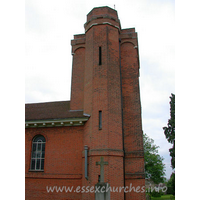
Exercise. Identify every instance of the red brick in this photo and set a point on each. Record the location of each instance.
(111, 88)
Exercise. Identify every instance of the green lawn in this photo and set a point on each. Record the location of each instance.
(164, 197)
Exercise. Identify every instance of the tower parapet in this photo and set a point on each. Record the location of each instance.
(102, 15)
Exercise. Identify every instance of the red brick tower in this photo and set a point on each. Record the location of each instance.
(65, 140)
(105, 85)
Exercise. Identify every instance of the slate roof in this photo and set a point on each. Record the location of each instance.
(50, 110)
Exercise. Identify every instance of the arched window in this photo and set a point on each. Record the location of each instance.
(38, 152)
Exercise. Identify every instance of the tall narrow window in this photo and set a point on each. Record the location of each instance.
(100, 56)
(37, 154)
(100, 120)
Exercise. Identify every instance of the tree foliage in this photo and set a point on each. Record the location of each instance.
(171, 184)
(169, 131)
(154, 167)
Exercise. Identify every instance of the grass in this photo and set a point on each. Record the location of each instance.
(164, 197)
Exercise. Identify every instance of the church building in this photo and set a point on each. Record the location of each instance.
(73, 148)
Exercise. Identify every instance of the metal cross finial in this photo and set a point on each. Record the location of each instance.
(101, 163)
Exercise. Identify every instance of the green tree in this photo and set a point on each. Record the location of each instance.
(169, 131)
(171, 184)
(154, 167)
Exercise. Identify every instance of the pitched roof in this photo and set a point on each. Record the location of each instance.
(50, 110)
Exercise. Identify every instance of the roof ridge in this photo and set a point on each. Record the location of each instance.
(47, 102)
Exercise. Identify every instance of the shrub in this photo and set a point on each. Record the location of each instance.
(156, 194)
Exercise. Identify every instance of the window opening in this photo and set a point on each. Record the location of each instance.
(100, 56)
(100, 120)
(38, 153)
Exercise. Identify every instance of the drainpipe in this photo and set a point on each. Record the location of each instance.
(86, 164)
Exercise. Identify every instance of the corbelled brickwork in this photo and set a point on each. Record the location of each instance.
(105, 79)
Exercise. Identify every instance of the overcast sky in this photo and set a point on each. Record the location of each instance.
(50, 26)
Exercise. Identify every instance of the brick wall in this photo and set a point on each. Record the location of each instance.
(78, 70)
(63, 162)
(133, 138)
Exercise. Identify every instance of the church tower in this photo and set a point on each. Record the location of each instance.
(105, 85)
(96, 138)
